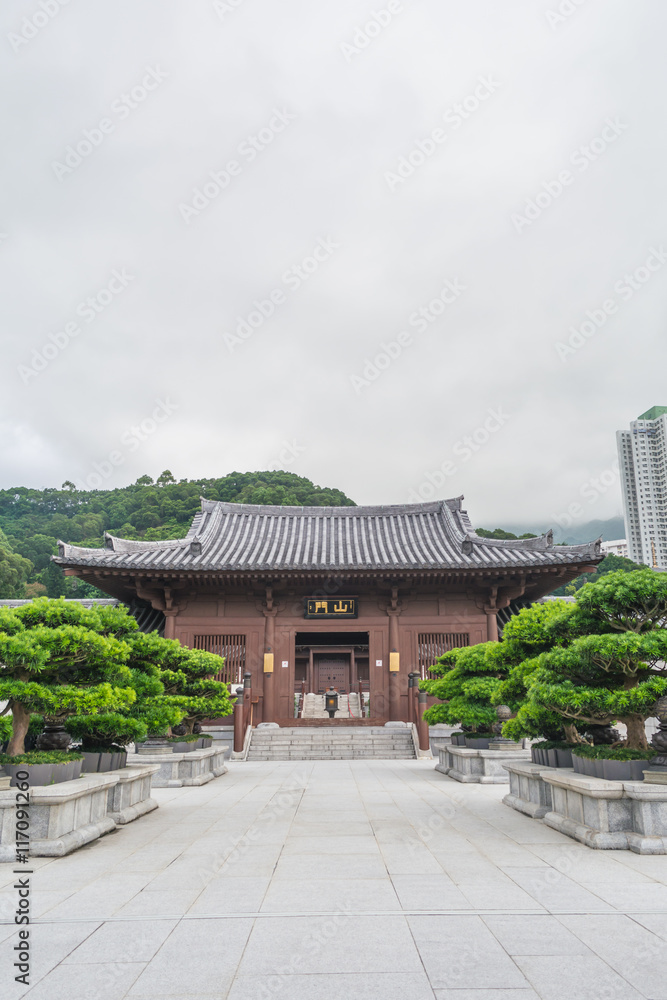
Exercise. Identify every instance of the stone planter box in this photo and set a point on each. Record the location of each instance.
(100, 763)
(131, 797)
(475, 743)
(205, 742)
(45, 774)
(551, 758)
(583, 765)
(610, 770)
(485, 767)
(623, 770)
(528, 793)
(195, 767)
(63, 817)
(183, 747)
(608, 815)
(67, 815)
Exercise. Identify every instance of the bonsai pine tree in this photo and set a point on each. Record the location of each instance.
(189, 682)
(60, 659)
(525, 636)
(149, 713)
(469, 679)
(607, 657)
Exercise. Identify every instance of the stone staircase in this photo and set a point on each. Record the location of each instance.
(348, 707)
(332, 743)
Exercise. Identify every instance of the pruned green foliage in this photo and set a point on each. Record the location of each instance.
(467, 686)
(604, 659)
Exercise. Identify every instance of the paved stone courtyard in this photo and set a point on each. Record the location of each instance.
(341, 880)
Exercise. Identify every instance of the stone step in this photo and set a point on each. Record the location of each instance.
(304, 743)
(334, 756)
(302, 731)
(332, 743)
(329, 738)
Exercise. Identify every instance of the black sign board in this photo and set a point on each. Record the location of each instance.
(331, 607)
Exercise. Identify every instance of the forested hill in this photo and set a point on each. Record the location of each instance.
(33, 520)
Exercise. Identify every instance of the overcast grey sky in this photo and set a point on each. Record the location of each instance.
(361, 174)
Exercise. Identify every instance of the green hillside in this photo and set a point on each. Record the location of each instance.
(32, 521)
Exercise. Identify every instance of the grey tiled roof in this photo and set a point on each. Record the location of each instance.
(229, 537)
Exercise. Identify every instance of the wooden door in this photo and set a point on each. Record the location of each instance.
(333, 671)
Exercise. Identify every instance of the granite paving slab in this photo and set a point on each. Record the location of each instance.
(345, 880)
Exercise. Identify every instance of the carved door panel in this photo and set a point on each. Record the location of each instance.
(333, 671)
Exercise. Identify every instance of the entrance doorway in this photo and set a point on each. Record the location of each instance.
(332, 671)
(339, 659)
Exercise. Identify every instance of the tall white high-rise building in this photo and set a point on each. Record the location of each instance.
(642, 453)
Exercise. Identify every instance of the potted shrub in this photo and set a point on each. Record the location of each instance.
(43, 767)
(584, 760)
(624, 764)
(102, 758)
(552, 753)
(179, 745)
(104, 738)
(184, 744)
(479, 741)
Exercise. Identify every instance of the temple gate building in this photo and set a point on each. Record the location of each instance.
(310, 597)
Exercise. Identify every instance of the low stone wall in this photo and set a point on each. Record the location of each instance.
(485, 767)
(223, 738)
(440, 736)
(529, 793)
(608, 815)
(131, 797)
(63, 817)
(177, 769)
(66, 816)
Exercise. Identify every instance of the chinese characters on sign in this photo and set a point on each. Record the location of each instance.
(331, 607)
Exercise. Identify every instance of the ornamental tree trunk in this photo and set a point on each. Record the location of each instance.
(20, 723)
(636, 732)
(571, 734)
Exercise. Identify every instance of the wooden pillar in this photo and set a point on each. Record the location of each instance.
(170, 624)
(422, 724)
(311, 672)
(270, 612)
(393, 611)
(247, 700)
(491, 610)
(239, 728)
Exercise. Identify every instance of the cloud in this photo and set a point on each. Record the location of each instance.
(222, 74)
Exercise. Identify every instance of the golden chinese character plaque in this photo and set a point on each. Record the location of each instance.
(331, 607)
